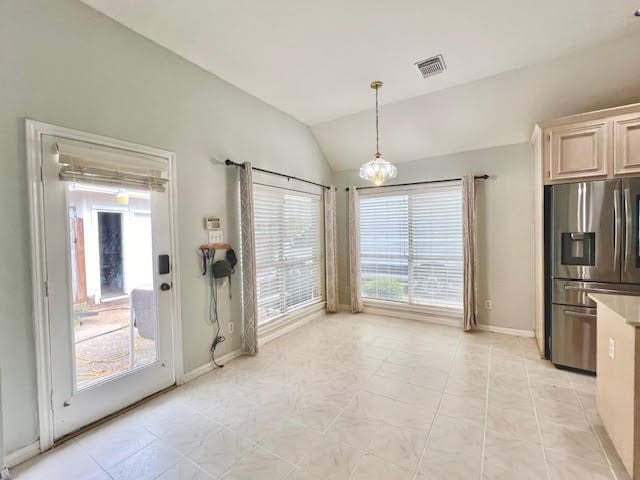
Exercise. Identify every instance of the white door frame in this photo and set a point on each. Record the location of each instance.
(41, 324)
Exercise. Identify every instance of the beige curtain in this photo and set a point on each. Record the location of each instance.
(330, 249)
(249, 293)
(469, 251)
(354, 250)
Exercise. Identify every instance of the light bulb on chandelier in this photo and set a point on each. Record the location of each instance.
(377, 170)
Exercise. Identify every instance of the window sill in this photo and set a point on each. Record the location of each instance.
(289, 321)
(448, 316)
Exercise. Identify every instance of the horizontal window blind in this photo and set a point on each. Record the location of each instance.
(288, 232)
(411, 246)
(111, 167)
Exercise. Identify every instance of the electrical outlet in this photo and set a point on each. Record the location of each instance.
(488, 304)
(612, 348)
(230, 327)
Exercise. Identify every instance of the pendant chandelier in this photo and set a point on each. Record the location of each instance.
(377, 170)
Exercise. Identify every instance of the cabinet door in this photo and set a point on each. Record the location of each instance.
(626, 157)
(579, 150)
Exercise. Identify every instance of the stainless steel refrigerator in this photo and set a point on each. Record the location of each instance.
(594, 248)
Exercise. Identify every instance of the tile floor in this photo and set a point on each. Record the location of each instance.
(358, 397)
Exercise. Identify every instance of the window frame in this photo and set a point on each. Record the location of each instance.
(304, 191)
(409, 306)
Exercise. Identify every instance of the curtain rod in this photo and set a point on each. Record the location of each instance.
(288, 177)
(477, 177)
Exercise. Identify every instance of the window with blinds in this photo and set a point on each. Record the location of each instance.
(411, 246)
(289, 265)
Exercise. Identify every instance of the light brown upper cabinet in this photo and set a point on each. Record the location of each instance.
(626, 155)
(589, 146)
(578, 150)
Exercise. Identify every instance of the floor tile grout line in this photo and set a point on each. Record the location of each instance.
(328, 427)
(254, 446)
(486, 412)
(178, 462)
(435, 416)
(199, 468)
(593, 431)
(100, 466)
(535, 413)
(324, 432)
(156, 439)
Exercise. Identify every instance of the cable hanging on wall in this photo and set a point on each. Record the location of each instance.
(215, 270)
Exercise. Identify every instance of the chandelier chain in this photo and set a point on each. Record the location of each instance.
(377, 125)
(377, 170)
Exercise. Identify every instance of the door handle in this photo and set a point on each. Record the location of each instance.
(165, 286)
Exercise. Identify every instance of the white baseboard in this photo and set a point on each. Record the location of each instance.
(207, 367)
(506, 330)
(21, 455)
(449, 321)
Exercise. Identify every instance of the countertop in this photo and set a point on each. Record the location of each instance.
(627, 306)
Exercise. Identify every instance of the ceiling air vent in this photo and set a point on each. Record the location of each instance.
(431, 66)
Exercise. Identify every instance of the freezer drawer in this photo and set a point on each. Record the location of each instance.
(573, 331)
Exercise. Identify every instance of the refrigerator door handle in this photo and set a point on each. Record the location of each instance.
(628, 223)
(600, 290)
(618, 225)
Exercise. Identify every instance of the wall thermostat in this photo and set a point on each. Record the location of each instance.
(212, 223)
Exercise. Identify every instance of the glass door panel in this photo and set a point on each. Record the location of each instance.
(115, 317)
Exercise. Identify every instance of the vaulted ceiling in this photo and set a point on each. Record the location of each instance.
(315, 60)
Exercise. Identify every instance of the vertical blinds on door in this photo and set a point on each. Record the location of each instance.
(411, 246)
(288, 232)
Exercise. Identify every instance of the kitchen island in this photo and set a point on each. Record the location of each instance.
(618, 369)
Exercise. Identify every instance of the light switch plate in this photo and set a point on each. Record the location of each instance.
(215, 236)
